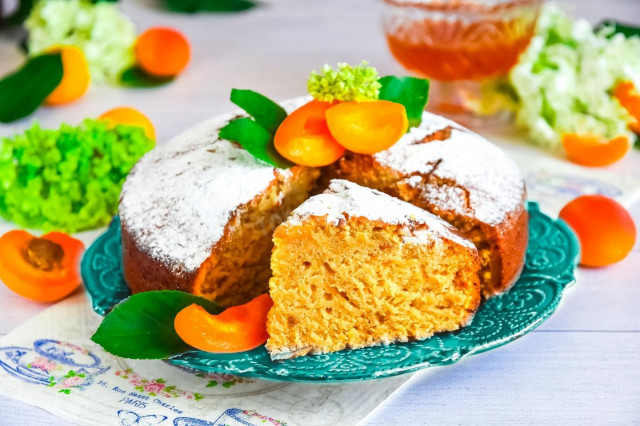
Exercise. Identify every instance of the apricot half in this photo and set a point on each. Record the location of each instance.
(237, 329)
(367, 127)
(593, 151)
(44, 269)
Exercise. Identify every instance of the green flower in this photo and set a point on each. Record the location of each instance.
(100, 30)
(67, 179)
(347, 83)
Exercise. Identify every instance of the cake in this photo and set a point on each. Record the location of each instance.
(354, 267)
(198, 213)
(462, 178)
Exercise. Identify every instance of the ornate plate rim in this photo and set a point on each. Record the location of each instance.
(277, 371)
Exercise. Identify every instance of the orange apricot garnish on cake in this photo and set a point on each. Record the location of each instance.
(304, 137)
(44, 269)
(162, 51)
(593, 151)
(629, 97)
(367, 127)
(130, 117)
(237, 329)
(75, 76)
(605, 229)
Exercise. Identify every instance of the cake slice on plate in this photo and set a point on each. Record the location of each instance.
(354, 267)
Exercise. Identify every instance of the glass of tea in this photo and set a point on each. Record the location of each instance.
(459, 43)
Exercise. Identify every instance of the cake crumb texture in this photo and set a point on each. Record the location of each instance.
(359, 281)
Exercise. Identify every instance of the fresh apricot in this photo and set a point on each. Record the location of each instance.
(237, 329)
(367, 127)
(131, 117)
(629, 97)
(605, 229)
(162, 51)
(593, 151)
(75, 76)
(44, 269)
(304, 138)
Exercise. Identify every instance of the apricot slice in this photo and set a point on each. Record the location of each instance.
(44, 269)
(367, 127)
(131, 117)
(304, 138)
(605, 229)
(237, 329)
(593, 151)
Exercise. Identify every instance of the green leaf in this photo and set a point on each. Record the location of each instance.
(23, 92)
(411, 92)
(266, 112)
(141, 326)
(619, 28)
(136, 77)
(193, 6)
(255, 139)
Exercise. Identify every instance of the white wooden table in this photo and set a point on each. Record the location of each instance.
(581, 367)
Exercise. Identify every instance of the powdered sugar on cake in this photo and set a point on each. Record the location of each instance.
(493, 185)
(179, 197)
(345, 199)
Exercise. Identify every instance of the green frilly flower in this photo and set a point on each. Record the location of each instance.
(67, 179)
(347, 83)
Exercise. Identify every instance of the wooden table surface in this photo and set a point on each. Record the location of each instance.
(580, 367)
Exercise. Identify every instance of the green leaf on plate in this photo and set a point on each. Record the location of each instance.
(23, 92)
(141, 326)
(193, 6)
(136, 77)
(411, 92)
(619, 28)
(255, 139)
(266, 112)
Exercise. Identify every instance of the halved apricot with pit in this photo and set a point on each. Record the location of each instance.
(44, 269)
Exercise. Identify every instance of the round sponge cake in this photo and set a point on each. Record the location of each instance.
(198, 213)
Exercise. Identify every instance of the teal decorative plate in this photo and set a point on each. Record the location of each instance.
(550, 262)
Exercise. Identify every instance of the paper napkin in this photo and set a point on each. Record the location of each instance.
(51, 362)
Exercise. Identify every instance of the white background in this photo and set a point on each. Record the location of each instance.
(581, 367)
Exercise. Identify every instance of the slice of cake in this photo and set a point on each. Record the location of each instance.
(354, 267)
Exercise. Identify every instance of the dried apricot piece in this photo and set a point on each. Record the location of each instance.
(605, 229)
